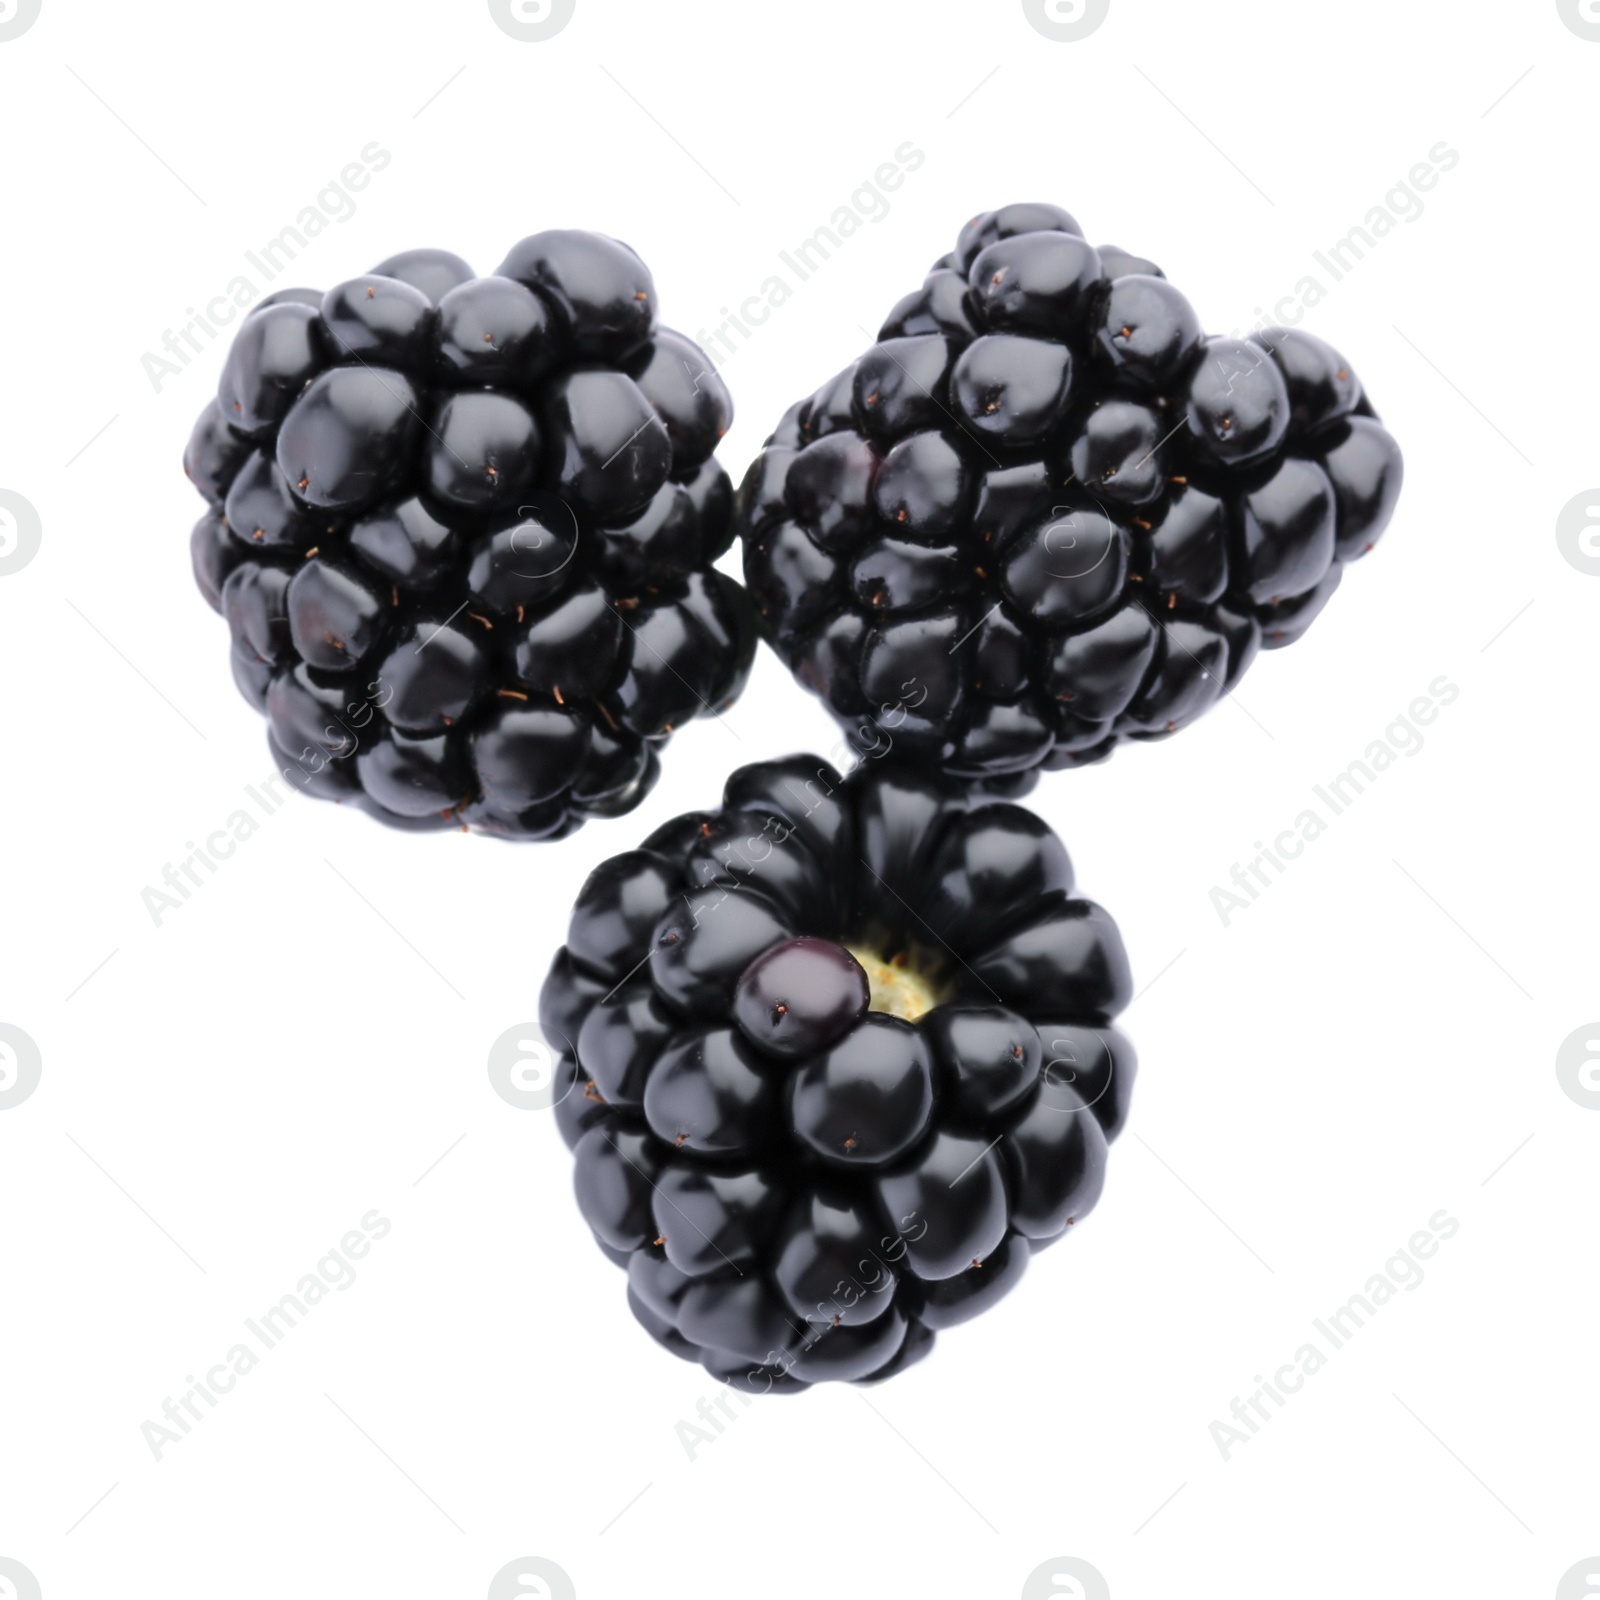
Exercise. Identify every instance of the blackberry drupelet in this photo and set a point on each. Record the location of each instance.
(462, 529)
(1045, 513)
(835, 1060)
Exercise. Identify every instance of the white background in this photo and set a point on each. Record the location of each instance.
(1373, 1041)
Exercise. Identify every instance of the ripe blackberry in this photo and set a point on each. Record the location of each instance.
(1045, 513)
(462, 529)
(835, 1059)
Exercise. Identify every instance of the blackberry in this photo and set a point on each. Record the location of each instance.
(462, 531)
(835, 1059)
(1045, 513)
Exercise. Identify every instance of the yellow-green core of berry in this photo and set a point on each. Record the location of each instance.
(897, 986)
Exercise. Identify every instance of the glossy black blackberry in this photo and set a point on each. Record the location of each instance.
(462, 529)
(835, 1060)
(1045, 513)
